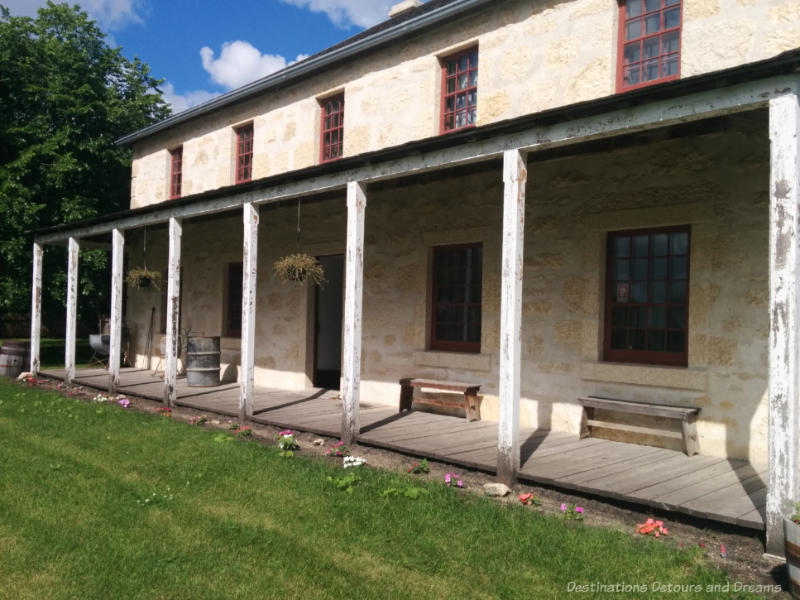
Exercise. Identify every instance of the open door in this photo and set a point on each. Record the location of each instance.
(328, 327)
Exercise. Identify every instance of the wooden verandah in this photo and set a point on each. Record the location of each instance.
(721, 490)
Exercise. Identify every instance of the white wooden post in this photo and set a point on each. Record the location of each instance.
(115, 346)
(784, 277)
(72, 310)
(249, 285)
(353, 291)
(36, 309)
(173, 312)
(515, 174)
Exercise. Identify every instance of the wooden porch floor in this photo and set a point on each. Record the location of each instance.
(728, 491)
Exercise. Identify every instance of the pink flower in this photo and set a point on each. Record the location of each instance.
(579, 509)
(563, 507)
(460, 483)
(447, 478)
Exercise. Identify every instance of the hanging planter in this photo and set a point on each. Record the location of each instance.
(300, 268)
(143, 278)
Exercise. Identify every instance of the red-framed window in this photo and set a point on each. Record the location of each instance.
(244, 153)
(332, 128)
(456, 298)
(647, 296)
(233, 318)
(459, 90)
(649, 42)
(176, 172)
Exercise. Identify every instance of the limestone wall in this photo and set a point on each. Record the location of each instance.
(716, 183)
(534, 55)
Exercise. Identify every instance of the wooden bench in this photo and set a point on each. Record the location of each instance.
(469, 402)
(685, 414)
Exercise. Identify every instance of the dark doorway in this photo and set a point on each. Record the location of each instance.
(328, 326)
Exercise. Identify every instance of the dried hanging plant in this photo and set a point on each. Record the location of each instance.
(142, 277)
(300, 267)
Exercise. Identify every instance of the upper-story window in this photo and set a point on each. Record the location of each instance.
(650, 42)
(332, 129)
(459, 90)
(244, 153)
(175, 172)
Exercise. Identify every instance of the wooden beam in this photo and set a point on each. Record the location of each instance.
(173, 312)
(353, 292)
(72, 310)
(249, 287)
(515, 177)
(651, 115)
(784, 314)
(115, 346)
(36, 309)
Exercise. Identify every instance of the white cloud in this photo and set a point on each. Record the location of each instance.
(240, 63)
(109, 14)
(345, 13)
(181, 102)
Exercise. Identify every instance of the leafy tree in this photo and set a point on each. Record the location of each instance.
(65, 97)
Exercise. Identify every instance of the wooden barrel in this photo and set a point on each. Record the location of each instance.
(791, 532)
(13, 358)
(202, 361)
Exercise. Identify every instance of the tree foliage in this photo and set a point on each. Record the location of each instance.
(65, 97)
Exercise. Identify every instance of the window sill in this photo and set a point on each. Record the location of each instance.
(679, 378)
(453, 360)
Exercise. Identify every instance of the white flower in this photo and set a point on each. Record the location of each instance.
(353, 461)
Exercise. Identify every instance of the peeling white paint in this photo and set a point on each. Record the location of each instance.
(249, 286)
(173, 312)
(36, 309)
(72, 310)
(353, 292)
(515, 176)
(784, 260)
(115, 347)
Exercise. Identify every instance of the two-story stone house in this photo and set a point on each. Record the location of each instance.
(554, 198)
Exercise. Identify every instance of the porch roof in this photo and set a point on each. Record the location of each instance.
(695, 98)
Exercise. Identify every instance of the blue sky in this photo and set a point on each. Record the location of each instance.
(202, 48)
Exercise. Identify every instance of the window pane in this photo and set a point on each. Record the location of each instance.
(679, 243)
(639, 292)
(451, 85)
(640, 269)
(451, 67)
(659, 268)
(638, 317)
(652, 5)
(461, 100)
(655, 341)
(651, 46)
(473, 59)
(633, 29)
(678, 267)
(619, 339)
(462, 81)
(623, 291)
(619, 316)
(669, 65)
(462, 63)
(471, 116)
(658, 292)
(672, 18)
(641, 245)
(650, 71)
(621, 272)
(634, 8)
(677, 291)
(677, 318)
(676, 341)
(631, 75)
(669, 42)
(652, 23)
(637, 339)
(660, 244)
(621, 245)
(450, 104)
(658, 317)
(632, 52)
(472, 98)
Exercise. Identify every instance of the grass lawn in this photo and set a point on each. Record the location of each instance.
(233, 519)
(51, 352)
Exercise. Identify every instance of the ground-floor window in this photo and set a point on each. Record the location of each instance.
(647, 296)
(233, 303)
(456, 298)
